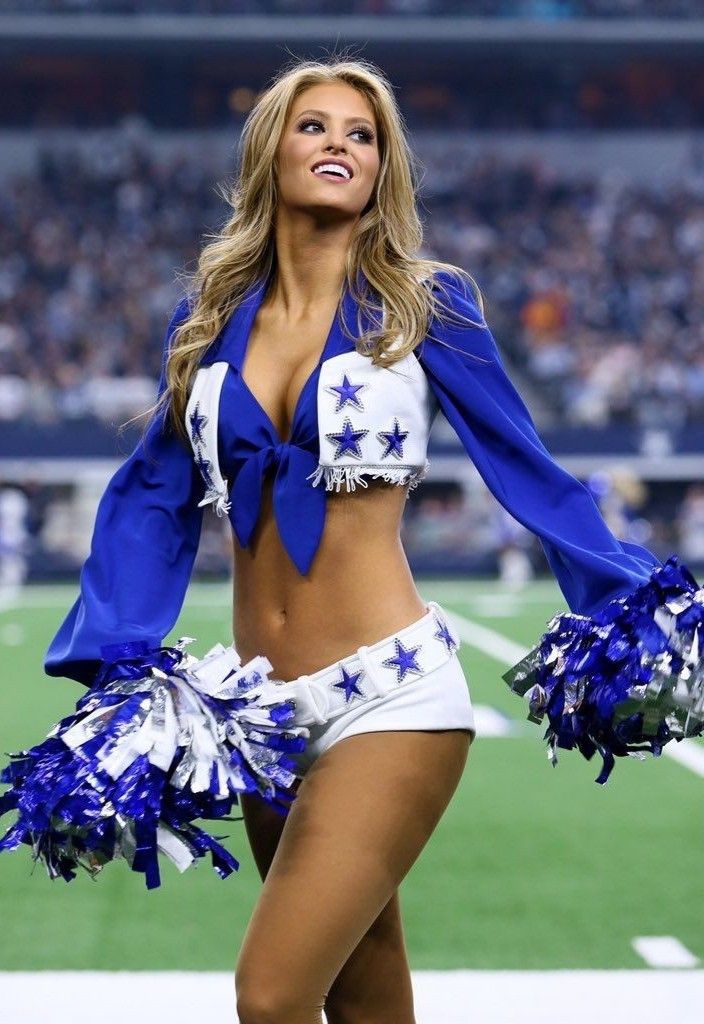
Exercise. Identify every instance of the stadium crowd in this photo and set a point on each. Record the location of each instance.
(549, 9)
(200, 94)
(593, 288)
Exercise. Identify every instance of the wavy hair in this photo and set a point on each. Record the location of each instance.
(384, 245)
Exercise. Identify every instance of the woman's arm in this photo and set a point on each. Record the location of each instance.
(144, 544)
(490, 418)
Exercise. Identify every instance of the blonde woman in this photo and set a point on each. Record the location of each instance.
(301, 377)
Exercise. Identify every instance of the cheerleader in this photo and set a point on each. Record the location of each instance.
(301, 376)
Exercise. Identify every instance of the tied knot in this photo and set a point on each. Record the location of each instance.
(299, 510)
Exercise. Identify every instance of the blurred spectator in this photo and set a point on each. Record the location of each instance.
(690, 523)
(594, 286)
(14, 541)
(513, 545)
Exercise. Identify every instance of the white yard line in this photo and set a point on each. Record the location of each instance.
(490, 722)
(441, 997)
(687, 753)
(486, 639)
(664, 951)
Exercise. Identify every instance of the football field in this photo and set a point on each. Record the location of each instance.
(532, 868)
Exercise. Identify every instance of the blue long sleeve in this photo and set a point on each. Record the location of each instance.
(144, 544)
(491, 420)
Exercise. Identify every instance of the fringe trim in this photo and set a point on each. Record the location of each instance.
(335, 476)
(219, 500)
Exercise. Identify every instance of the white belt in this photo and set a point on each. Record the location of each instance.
(373, 671)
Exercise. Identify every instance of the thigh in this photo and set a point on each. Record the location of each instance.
(376, 974)
(363, 813)
(374, 983)
(264, 826)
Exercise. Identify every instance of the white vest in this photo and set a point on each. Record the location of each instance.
(386, 418)
(373, 421)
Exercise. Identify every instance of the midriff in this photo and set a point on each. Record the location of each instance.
(359, 588)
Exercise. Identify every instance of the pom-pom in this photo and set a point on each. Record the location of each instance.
(159, 740)
(626, 680)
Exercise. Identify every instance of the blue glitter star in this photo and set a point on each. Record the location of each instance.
(205, 465)
(347, 440)
(444, 634)
(393, 440)
(348, 683)
(346, 392)
(198, 421)
(404, 661)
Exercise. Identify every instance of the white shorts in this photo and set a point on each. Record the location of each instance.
(385, 686)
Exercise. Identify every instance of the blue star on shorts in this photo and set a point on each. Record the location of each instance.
(348, 683)
(444, 634)
(347, 440)
(346, 392)
(393, 440)
(404, 661)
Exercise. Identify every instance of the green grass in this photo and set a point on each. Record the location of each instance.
(531, 866)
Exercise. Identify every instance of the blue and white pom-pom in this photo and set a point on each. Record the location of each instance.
(626, 680)
(159, 740)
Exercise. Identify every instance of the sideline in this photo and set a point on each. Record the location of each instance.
(442, 997)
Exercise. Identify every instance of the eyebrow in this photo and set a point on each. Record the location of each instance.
(322, 113)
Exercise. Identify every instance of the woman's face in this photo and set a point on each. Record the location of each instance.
(335, 125)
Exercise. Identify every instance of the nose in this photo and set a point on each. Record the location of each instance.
(336, 145)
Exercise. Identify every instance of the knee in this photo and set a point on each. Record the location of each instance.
(264, 1001)
(256, 1012)
(257, 1002)
(260, 1007)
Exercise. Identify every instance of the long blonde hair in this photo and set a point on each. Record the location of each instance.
(384, 245)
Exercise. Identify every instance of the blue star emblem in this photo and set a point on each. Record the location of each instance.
(404, 661)
(347, 440)
(346, 392)
(444, 634)
(393, 440)
(205, 465)
(348, 683)
(198, 421)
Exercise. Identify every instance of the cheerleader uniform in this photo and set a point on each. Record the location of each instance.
(353, 421)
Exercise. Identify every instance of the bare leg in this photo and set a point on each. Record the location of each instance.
(375, 979)
(362, 815)
(374, 983)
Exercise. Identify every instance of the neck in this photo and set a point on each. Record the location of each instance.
(310, 265)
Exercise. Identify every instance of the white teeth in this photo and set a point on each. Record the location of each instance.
(335, 168)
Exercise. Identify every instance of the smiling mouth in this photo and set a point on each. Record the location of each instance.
(332, 176)
(333, 170)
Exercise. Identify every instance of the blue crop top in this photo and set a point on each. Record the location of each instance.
(351, 421)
